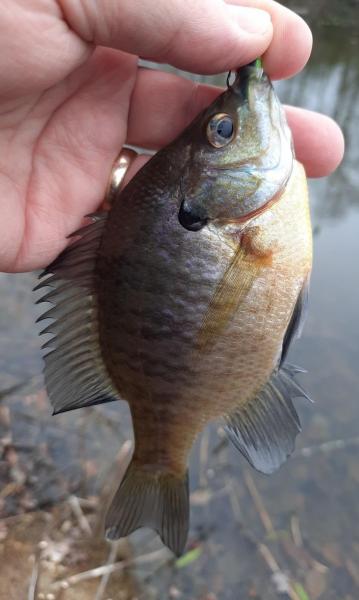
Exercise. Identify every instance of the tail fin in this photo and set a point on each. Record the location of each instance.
(151, 498)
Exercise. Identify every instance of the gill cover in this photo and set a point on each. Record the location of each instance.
(242, 154)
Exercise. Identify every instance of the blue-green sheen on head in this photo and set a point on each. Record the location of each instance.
(241, 155)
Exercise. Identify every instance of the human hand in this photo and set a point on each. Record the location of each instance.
(71, 95)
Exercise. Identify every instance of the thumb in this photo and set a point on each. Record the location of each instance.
(206, 36)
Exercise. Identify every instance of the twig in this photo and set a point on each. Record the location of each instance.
(299, 546)
(124, 452)
(89, 503)
(78, 512)
(325, 447)
(11, 488)
(202, 497)
(353, 570)
(203, 458)
(10, 390)
(232, 488)
(106, 576)
(281, 581)
(32, 591)
(268, 558)
(111, 568)
(296, 533)
(258, 503)
(111, 484)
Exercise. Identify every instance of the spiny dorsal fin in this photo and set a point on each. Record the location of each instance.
(264, 429)
(75, 374)
(149, 498)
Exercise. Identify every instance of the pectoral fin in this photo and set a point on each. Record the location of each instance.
(234, 286)
(264, 429)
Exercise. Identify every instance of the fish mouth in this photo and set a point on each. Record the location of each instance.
(189, 219)
(246, 76)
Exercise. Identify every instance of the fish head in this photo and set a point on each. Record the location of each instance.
(240, 154)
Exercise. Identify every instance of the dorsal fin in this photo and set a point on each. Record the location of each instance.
(75, 374)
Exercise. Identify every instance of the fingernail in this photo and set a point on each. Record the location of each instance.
(251, 20)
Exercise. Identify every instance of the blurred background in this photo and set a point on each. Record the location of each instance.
(293, 535)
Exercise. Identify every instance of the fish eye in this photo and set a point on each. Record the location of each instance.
(220, 130)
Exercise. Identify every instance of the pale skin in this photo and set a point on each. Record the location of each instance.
(71, 95)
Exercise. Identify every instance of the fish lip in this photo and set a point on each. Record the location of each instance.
(246, 75)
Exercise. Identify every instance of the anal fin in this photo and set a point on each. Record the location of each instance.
(75, 373)
(264, 429)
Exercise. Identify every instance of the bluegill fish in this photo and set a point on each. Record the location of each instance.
(183, 300)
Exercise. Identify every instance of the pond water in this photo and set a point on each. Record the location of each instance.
(292, 535)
